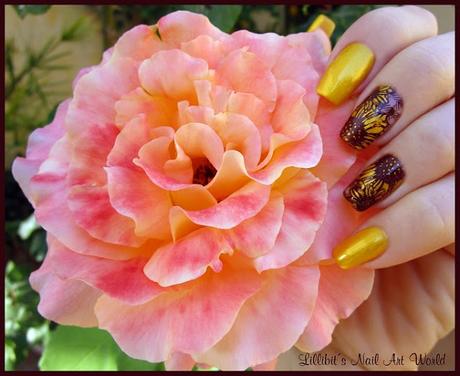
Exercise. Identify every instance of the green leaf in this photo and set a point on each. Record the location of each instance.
(24, 10)
(225, 16)
(88, 349)
(10, 355)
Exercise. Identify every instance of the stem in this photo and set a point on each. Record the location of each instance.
(49, 47)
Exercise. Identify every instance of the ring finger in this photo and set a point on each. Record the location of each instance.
(421, 154)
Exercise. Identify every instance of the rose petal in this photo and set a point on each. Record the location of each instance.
(183, 26)
(239, 206)
(89, 151)
(257, 235)
(304, 208)
(188, 258)
(206, 48)
(41, 140)
(303, 154)
(159, 110)
(244, 72)
(290, 117)
(96, 93)
(199, 140)
(138, 43)
(340, 293)
(179, 362)
(238, 132)
(92, 210)
(67, 302)
(156, 78)
(189, 320)
(133, 195)
(154, 157)
(269, 322)
(123, 280)
(268, 46)
(50, 192)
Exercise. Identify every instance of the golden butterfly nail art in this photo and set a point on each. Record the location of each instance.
(373, 117)
(375, 183)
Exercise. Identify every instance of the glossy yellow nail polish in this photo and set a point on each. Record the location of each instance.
(350, 67)
(361, 247)
(323, 22)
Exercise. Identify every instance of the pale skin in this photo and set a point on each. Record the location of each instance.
(411, 305)
(409, 55)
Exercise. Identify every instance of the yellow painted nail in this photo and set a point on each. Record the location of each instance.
(361, 247)
(323, 22)
(346, 72)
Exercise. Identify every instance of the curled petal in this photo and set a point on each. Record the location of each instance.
(188, 320)
(340, 293)
(138, 43)
(199, 140)
(242, 204)
(41, 140)
(67, 302)
(317, 44)
(179, 362)
(133, 195)
(90, 149)
(153, 159)
(92, 210)
(244, 72)
(269, 323)
(156, 78)
(304, 208)
(183, 26)
(257, 235)
(230, 177)
(290, 116)
(123, 280)
(194, 197)
(268, 46)
(23, 170)
(188, 258)
(159, 110)
(96, 93)
(206, 48)
(131, 138)
(239, 133)
(303, 154)
(50, 192)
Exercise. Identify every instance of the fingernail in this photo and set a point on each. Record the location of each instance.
(323, 22)
(361, 247)
(375, 183)
(373, 117)
(346, 72)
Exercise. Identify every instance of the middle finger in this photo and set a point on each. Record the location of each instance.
(417, 79)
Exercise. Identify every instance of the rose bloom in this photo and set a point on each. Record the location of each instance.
(181, 191)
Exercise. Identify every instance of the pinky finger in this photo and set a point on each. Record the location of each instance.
(419, 223)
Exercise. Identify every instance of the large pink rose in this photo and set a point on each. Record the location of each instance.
(181, 192)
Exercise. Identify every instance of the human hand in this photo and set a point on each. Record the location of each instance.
(406, 213)
(402, 74)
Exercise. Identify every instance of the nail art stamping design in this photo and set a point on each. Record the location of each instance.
(373, 117)
(375, 183)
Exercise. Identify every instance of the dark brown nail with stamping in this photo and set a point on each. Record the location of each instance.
(375, 183)
(373, 117)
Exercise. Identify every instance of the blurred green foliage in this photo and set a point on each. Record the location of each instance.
(29, 337)
(70, 348)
